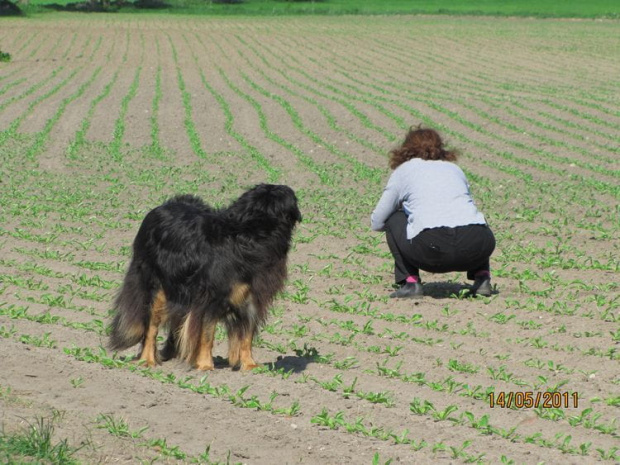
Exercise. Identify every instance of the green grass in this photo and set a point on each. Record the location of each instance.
(35, 444)
(540, 8)
(305, 111)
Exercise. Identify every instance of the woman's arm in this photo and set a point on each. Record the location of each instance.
(388, 204)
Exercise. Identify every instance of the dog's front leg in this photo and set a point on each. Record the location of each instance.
(204, 358)
(245, 350)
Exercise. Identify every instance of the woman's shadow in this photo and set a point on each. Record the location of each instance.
(450, 290)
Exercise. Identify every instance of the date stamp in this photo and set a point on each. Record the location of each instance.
(530, 399)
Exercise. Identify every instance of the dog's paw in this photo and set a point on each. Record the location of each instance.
(144, 362)
(249, 366)
(205, 367)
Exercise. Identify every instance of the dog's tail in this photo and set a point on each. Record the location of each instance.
(188, 339)
(132, 306)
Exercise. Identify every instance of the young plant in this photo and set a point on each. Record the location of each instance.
(118, 427)
(36, 444)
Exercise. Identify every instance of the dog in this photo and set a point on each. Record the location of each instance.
(194, 266)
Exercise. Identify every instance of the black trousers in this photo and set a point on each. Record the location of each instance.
(438, 250)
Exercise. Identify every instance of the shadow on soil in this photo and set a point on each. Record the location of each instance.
(448, 290)
(288, 363)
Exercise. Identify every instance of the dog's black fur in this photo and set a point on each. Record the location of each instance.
(194, 265)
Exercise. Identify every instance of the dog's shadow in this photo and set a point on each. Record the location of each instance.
(450, 290)
(287, 364)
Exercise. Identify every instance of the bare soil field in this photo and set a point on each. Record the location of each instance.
(102, 117)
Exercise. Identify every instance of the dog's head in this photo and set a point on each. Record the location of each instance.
(268, 201)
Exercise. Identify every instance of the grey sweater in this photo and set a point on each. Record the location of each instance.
(432, 194)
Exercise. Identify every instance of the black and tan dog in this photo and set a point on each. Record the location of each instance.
(193, 266)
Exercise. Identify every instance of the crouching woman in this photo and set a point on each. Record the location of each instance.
(429, 217)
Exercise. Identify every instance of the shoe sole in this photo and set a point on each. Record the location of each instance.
(408, 291)
(484, 290)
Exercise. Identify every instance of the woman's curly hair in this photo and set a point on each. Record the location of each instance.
(421, 143)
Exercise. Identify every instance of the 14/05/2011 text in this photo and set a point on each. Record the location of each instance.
(529, 399)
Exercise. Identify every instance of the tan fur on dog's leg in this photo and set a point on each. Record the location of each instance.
(157, 317)
(245, 347)
(204, 358)
(187, 344)
(245, 352)
(239, 297)
(234, 345)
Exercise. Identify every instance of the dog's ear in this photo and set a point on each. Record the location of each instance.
(285, 204)
(267, 201)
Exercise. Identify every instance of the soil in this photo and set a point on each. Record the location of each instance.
(531, 105)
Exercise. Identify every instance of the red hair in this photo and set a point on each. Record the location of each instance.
(421, 143)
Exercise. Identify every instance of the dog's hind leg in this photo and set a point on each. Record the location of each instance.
(245, 350)
(246, 336)
(169, 351)
(234, 346)
(158, 316)
(240, 347)
(238, 299)
(204, 356)
(170, 348)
